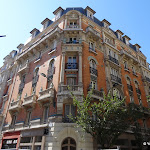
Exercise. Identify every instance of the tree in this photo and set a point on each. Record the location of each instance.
(105, 119)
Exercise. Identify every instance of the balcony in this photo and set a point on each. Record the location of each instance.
(134, 73)
(109, 42)
(92, 50)
(65, 92)
(93, 71)
(138, 91)
(23, 67)
(46, 95)
(116, 79)
(14, 106)
(147, 79)
(72, 42)
(91, 32)
(113, 60)
(29, 100)
(95, 93)
(71, 67)
(73, 27)
(130, 88)
(129, 56)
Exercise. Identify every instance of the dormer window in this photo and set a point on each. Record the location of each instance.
(46, 22)
(126, 39)
(90, 12)
(20, 46)
(57, 13)
(34, 32)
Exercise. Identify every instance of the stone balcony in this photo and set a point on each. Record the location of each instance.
(23, 67)
(63, 90)
(116, 79)
(92, 32)
(46, 95)
(29, 101)
(114, 60)
(110, 43)
(15, 106)
(129, 56)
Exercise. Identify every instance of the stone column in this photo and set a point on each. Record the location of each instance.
(65, 22)
(80, 69)
(62, 68)
(80, 26)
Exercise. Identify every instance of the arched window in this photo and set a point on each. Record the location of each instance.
(128, 81)
(116, 93)
(35, 79)
(50, 73)
(92, 64)
(136, 85)
(69, 144)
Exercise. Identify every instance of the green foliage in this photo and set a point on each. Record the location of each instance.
(105, 119)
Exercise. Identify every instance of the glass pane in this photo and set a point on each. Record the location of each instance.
(65, 148)
(69, 59)
(72, 141)
(72, 148)
(73, 110)
(67, 108)
(38, 139)
(74, 60)
(38, 147)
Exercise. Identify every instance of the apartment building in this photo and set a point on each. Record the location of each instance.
(75, 49)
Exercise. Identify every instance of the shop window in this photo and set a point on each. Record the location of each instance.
(69, 144)
(26, 140)
(9, 144)
(38, 139)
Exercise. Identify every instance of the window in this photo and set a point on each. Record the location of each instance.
(92, 64)
(45, 114)
(73, 40)
(131, 98)
(35, 80)
(71, 81)
(128, 81)
(72, 59)
(13, 122)
(125, 65)
(69, 110)
(93, 85)
(92, 46)
(116, 93)
(133, 70)
(28, 118)
(68, 144)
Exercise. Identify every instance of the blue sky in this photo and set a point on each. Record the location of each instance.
(19, 17)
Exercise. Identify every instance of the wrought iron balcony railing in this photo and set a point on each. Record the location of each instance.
(116, 79)
(93, 71)
(35, 80)
(138, 91)
(72, 42)
(92, 49)
(71, 66)
(114, 60)
(73, 26)
(130, 88)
